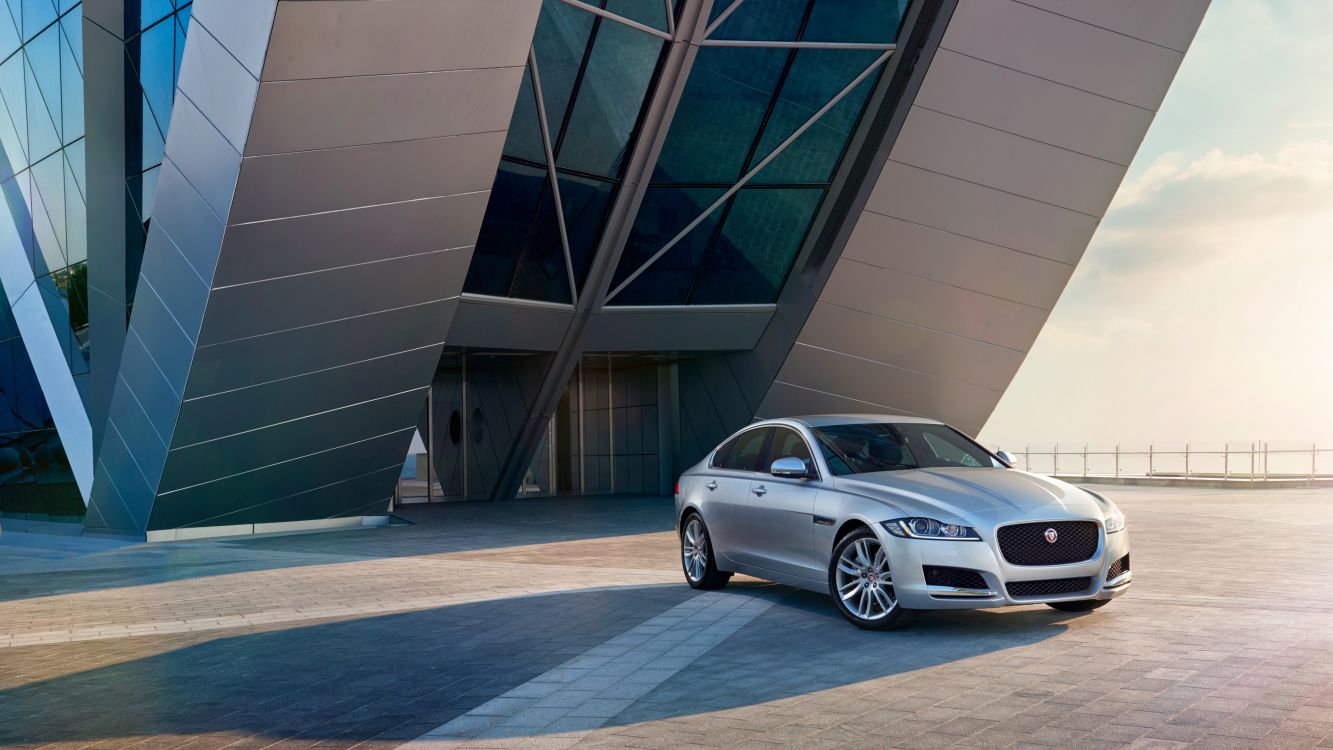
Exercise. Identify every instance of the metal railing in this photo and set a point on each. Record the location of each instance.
(1254, 462)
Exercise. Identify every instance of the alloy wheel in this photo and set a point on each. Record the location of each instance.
(694, 550)
(864, 581)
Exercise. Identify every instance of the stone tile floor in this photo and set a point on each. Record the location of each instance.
(564, 623)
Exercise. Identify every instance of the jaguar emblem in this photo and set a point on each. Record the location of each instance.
(1051, 536)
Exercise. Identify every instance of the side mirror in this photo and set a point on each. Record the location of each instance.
(1008, 459)
(790, 468)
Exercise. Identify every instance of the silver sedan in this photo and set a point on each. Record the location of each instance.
(893, 514)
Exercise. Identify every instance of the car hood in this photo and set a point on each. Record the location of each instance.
(957, 494)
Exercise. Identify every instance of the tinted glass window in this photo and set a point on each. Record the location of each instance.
(789, 444)
(720, 456)
(871, 447)
(747, 451)
(938, 445)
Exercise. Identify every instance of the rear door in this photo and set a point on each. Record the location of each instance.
(727, 491)
(780, 514)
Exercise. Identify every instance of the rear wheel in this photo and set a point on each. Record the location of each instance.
(861, 583)
(696, 556)
(1082, 605)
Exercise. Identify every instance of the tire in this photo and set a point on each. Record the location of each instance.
(861, 585)
(697, 559)
(1081, 605)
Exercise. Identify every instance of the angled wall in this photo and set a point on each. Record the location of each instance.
(1022, 129)
(327, 169)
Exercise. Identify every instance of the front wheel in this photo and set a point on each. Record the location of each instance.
(861, 583)
(696, 556)
(1081, 605)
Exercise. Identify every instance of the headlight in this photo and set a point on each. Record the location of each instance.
(929, 528)
(1115, 520)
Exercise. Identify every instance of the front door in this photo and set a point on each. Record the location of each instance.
(780, 514)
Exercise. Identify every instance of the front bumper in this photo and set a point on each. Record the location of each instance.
(907, 557)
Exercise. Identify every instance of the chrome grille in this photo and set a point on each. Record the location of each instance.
(1027, 543)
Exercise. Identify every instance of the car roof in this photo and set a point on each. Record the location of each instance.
(825, 420)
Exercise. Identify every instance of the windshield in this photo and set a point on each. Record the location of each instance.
(877, 446)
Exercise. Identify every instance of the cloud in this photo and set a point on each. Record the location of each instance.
(1180, 211)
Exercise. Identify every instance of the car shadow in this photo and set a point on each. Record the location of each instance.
(396, 677)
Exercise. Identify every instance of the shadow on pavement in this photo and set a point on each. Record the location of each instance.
(436, 529)
(393, 678)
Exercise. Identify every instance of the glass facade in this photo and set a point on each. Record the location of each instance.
(36, 482)
(583, 98)
(42, 175)
(739, 105)
(155, 41)
(41, 136)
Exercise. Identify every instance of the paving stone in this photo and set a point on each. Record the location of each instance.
(522, 615)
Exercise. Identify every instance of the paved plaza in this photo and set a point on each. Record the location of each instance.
(565, 623)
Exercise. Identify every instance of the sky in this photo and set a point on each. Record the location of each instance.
(1203, 308)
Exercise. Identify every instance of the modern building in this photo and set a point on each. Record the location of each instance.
(252, 247)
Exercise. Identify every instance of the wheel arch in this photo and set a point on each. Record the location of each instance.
(848, 526)
(685, 513)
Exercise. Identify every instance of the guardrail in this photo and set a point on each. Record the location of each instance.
(1255, 462)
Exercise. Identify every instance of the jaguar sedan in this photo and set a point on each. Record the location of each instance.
(895, 514)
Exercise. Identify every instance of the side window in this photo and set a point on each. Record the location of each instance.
(789, 444)
(747, 450)
(720, 455)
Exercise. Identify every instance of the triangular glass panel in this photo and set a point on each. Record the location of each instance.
(815, 77)
(37, 15)
(525, 137)
(559, 43)
(504, 228)
(666, 211)
(13, 117)
(149, 192)
(48, 210)
(76, 211)
(757, 246)
(855, 21)
(43, 139)
(16, 193)
(763, 21)
(44, 63)
(586, 203)
(718, 7)
(647, 12)
(9, 32)
(71, 85)
(153, 56)
(182, 28)
(541, 271)
(144, 13)
(154, 144)
(74, 157)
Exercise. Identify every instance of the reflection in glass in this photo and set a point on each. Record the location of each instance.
(719, 114)
(738, 107)
(761, 235)
(594, 75)
(610, 96)
(664, 213)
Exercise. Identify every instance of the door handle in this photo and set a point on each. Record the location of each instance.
(711, 485)
(760, 491)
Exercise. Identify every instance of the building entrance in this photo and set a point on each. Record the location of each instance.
(612, 431)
